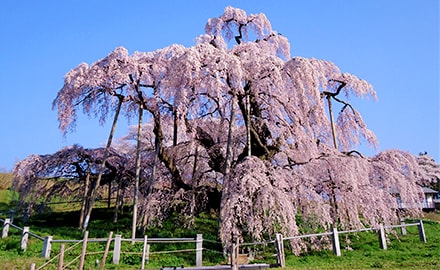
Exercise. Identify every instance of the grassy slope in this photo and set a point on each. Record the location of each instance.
(404, 252)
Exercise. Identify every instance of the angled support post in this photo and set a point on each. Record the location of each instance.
(422, 234)
(382, 237)
(403, 228)
(279, 246)
(335, 242)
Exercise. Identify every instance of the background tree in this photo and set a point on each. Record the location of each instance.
(430, 171)
(91, 88)
(70, 173)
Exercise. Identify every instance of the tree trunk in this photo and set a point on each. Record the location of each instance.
(138, 174)
(153, 169)
(115, 215)
(175, 127)
(163, 155)
(333, 201)
(102, 167)
(109, 197)
(193, 182)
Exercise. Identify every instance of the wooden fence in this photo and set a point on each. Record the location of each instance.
(48, 242)
(235, 256)
(334, 235)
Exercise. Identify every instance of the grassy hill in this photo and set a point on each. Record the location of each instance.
(61, 221)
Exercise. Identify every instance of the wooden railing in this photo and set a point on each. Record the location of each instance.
(198, 241)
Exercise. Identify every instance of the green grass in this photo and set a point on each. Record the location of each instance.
(64, 225)
(404, 252)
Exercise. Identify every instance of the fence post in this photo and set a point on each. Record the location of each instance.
(144, 252)
(47, 246)
(24, 238)
(117, 249)
(234, 255)
(382, 238)
(147, 253)
(6, 227)
(335, 242)
(61, 258)
(83, 251)
(107, 247)
(199, 250)
(403, 228)
(279, 247)
(422, 234)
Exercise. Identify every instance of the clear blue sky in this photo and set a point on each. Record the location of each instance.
(393, 44)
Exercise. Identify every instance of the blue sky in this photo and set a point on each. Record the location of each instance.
(393, 44)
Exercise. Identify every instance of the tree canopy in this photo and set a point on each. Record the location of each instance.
(237, 125)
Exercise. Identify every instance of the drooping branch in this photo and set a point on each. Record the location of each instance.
(350, 153)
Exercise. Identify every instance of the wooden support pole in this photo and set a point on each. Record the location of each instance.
(117, 249)
(24, 238)
(403, 228)
(144, 252)
(234, 255)
(422, 234)
(335, 242)
(199, 250)
(107, 247)
(61, 258)
(83, 251)
(382, 237)
(332, 122)
(6, 227)
(279, 246)
(47, 246)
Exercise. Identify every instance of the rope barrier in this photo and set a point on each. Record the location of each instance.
(36, 236)
(307, 235)
(212, 241)
(358, 230)
(211, 250)
(163, 240)
(95, 252)
(72, 261)
(175, 251)
(258, 243)
(46, 263)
